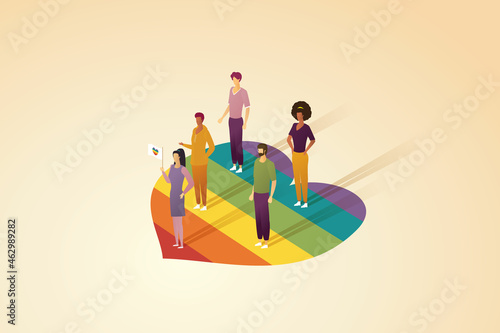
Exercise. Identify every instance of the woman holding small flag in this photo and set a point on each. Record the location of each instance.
(176, 175)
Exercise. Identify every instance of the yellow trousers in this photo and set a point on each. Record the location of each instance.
(200, 183)
(300, 162)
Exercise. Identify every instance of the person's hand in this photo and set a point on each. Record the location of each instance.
(244, 126)
(181, 143)
(182, 195)
(305, 152)
(270, 200)
(251, 197)
(161, 168)
(219, 121)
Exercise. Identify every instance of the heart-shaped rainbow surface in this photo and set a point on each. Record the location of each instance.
(226, 232)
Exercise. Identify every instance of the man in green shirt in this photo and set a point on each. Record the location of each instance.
(263, 173)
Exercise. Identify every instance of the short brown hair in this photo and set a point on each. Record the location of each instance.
(262, 146)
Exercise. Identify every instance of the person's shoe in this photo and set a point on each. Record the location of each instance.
(233, 168)
(180, 247)
(297, 204)
(175, 245)
(203, 209)
(264, 247)
(196, 207)
(304, 205)
(258, 244)
(293, 182)
(240, 170)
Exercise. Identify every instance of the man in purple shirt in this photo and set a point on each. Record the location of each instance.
(238, 99)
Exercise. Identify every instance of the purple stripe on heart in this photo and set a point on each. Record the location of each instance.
(339, 196)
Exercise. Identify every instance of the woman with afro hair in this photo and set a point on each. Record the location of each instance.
(297, 140)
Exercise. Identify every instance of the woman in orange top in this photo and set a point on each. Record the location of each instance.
(199, 159)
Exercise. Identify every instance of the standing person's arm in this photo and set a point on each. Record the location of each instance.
(190, 185)
(246, 103)
(225, 113)
(186, 145)
(289, 139)
(247, 112)
(251, 195)
(309, 146)
(273, 187)
(312, 140)
(227, 109)
(165, 175)
(211, 146)
(272, 173)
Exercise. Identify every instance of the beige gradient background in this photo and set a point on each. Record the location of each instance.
(440, 224)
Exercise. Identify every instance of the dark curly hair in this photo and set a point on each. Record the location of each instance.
(303, 107)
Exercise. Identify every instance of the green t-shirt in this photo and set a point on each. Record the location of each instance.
(263, 173)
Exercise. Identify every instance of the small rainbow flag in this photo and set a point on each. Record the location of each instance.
(155, 151)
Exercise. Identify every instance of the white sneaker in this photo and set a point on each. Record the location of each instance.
(175, 245)
(233, 168)
(180, 247)
(293, 182)
(297, 204)
(203, 209)
(264, 247)
(197, 207)
(304, 205)
(240, 170)
(258, 244)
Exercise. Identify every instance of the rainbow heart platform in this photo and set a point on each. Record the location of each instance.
(226, 232)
